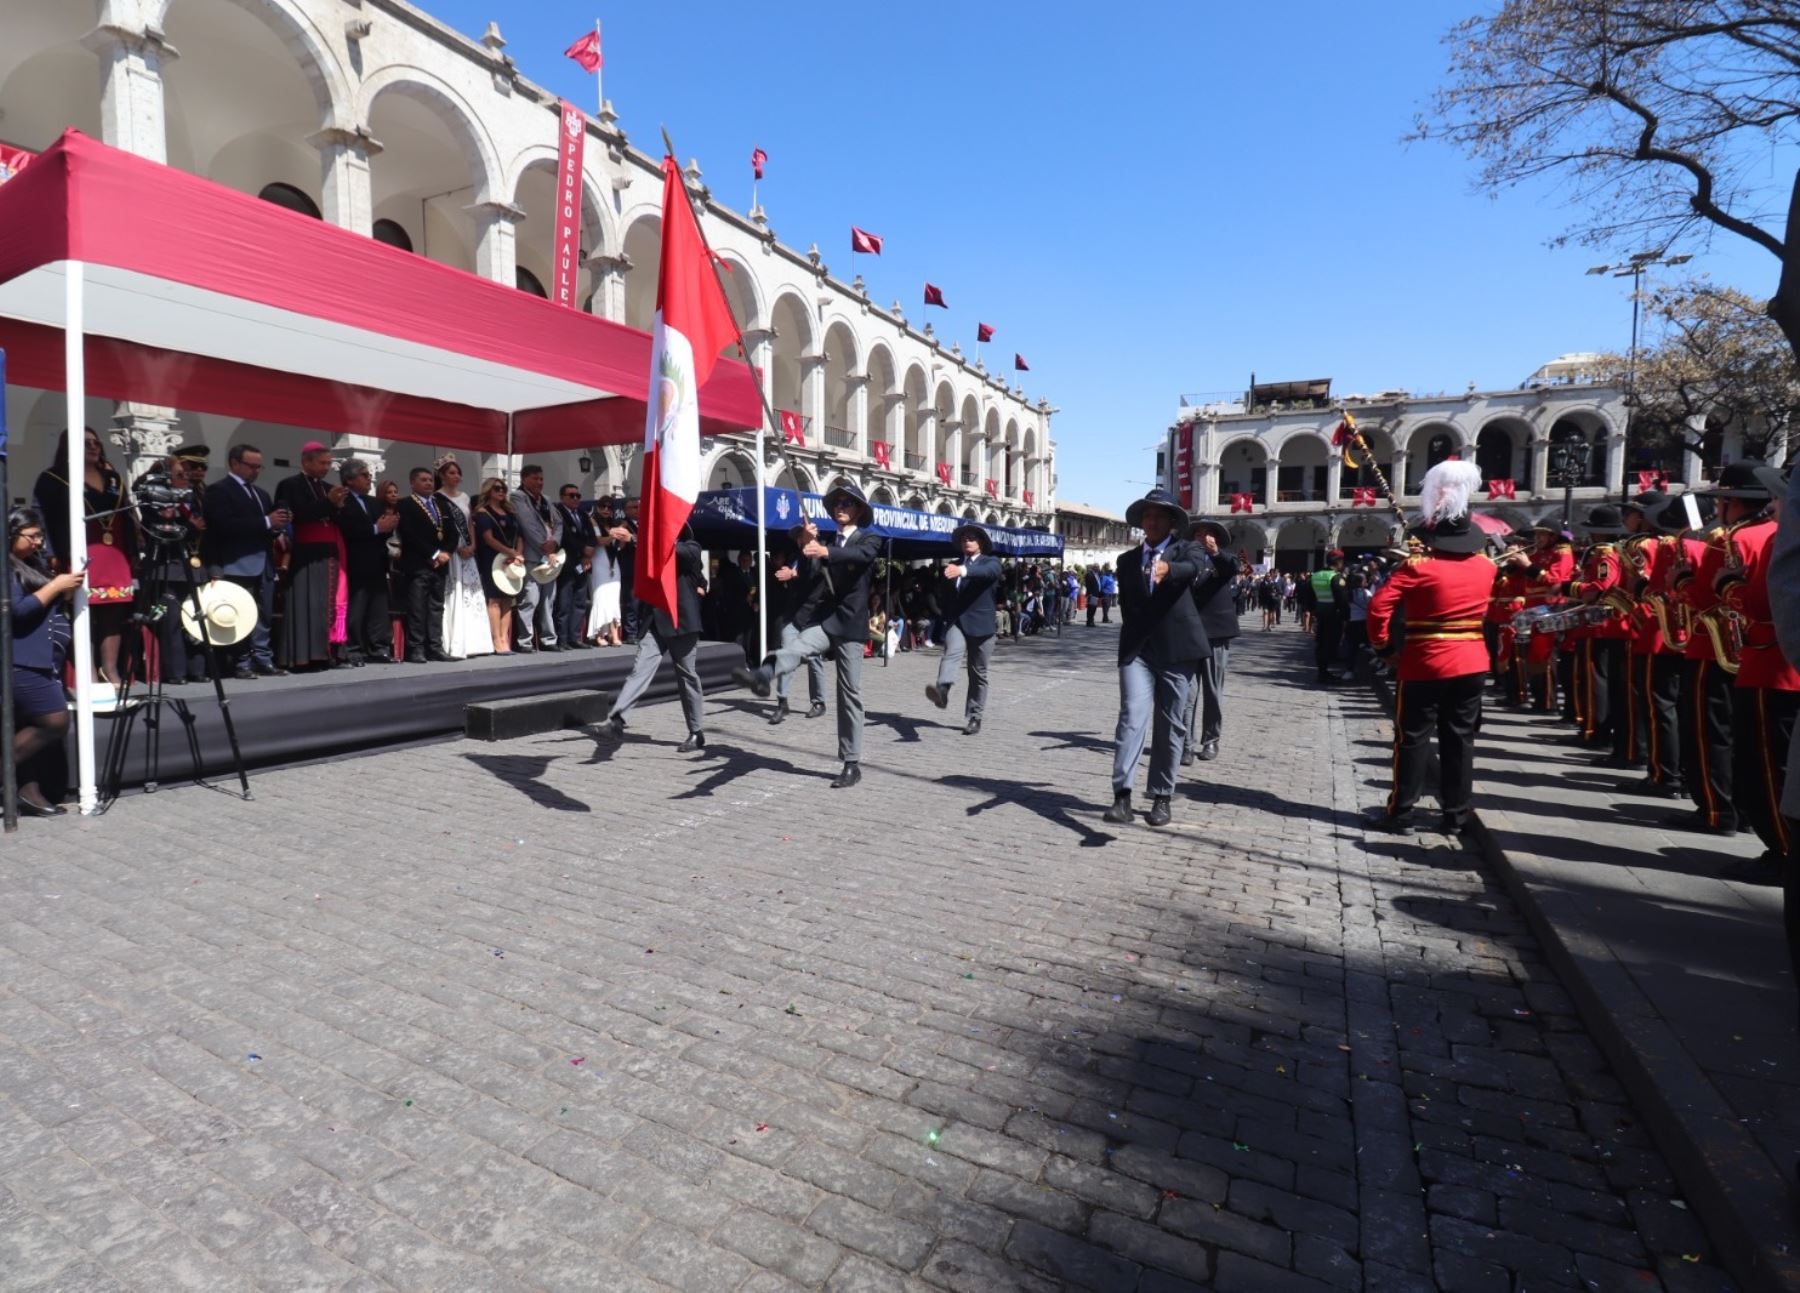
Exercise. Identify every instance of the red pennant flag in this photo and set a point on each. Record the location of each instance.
(1019, 363)
(586, 51)
(692, 324)
(1362, 496)
(758, 160)
(882, 454)
(863, 241)
(1243, 503)
(935, 296)
(1502, 488)
(943, 472)
(1652, 479)
(984, 332)
(993, 487)
(793, 430)
(1026, 494)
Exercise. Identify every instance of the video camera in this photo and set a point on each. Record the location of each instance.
(163, 507)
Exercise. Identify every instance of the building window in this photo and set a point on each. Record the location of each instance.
(289, 198)
(393, 234)
(526, 281)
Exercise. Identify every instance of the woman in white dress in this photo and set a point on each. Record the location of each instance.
(466, 630)
(603, 581)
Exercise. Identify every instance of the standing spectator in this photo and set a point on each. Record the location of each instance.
(41, 635)
(467, 631)
(1090, 584)
(427, 539)
(1332, 596)
(242, 526)
(111, 538)
(628, 602)
(1109, 592)
(604, 585)
(318, 598)
(576, 536)
(536, 606)
(497, 539)
(1356, 625)
(367, 628)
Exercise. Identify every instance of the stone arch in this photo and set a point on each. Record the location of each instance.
(642, 246)
(944, 509)
(972, 450)
(968, 514)
(48, 78)
(842, 355)
(992, 518)
(311, 49)
(532, 188)
(793, 328)
(912, 410)
(949, 441)
(994, 468)
(1300, 544)
(884, 420)
(731, 468)
(1427, 444)
(883, 495)
(914, 503)
(1248, 537)
(1244, 469)
(745, 294)
(1034, 469)
(1365, 532)
(1302, 469)
(1380, 454)
(1502, 448)
(1582, 426)
(447, 104)
(797, 476)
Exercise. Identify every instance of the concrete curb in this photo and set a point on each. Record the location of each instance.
(1740, 1196)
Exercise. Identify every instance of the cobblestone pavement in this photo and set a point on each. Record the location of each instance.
(550, 1015)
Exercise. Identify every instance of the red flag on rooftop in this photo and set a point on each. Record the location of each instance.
(693, 323)
(1020, 364)
(864, 241)
(586, 51)
(935, 296)
(758, 160)
(984, 332)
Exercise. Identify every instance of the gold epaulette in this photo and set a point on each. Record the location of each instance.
(1417, 559)
(1562, 547)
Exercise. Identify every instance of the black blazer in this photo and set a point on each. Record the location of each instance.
(577, 538)
(1213, 595)
(420, 539)
(365, 547)
(238, 537)
(971, 607)
(1163, 622)
(690, 574)
(843, 610)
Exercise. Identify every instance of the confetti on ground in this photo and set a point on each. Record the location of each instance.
(1240, 1146)
(791, 1011)
(1131, 956)
(579, 1060)
(968, 976)
(762, 1126)
(252, 1056)
(1170, 1194)
(407, 1103)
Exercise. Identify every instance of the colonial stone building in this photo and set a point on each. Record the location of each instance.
(1272, 453)
(375, 116)
(1091, 536)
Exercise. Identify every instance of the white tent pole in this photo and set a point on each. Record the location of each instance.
(75, 389)
(762, 550)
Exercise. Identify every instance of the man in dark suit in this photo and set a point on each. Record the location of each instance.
(842, 624)
(427, 536)
(242, 523)
(1160, 641)
(1219, 617)
(970, 622)
(578, 544)
(678, 639)
(797, 588)
(366, 528)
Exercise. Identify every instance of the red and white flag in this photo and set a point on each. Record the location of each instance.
(935, 296)
(758, 160)
(693, 323)
(1243, 502)
(1362, 496)
(1507, 488)
(943, 472)
(586, 51)
(1026, 495)
(984, 332)
(883, 455)
(864, 241)
(1648, 480)
(1020, 364)
(793, 428)
(993, 487)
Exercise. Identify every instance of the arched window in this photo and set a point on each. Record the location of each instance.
(1494, 454)
(290, 198)
(1571, 434)
(526, 281)
(1438, 448)
(393, 234)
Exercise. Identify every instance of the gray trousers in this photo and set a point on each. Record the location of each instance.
(980, 652)
(815, 641)
(651, 649)
(1206, 698)
(815, 671)
(1153, 703)
(536, 613)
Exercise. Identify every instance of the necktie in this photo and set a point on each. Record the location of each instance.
(431, 508)
(1150, 567)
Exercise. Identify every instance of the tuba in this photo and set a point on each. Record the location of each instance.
(1725, 627)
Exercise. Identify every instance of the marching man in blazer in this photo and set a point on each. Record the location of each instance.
(1160, 643)
(841, 625)
(677, 639)
(968, 602)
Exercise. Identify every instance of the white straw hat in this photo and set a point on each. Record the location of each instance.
(229, 612)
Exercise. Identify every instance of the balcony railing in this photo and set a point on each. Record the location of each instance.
(915, 461)
(971, 478)
(839, 438)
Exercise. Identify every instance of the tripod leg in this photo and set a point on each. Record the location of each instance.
(218, 682)
(124, 719)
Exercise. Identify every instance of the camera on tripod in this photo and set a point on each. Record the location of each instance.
(163, 508)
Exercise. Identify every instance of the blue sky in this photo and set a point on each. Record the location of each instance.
(1147, 200)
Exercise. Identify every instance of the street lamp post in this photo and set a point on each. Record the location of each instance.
(1633, 268)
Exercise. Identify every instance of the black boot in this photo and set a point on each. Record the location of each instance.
(781, 711)
(1120, 812)
(816, 709)
(972, 727)
(1159, 811)
(851, 774)
(759, 680)
(939, 696)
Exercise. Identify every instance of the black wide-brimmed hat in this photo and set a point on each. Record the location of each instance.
(1134, 515)
(1649, 503)
(1456, 534)
(1603, 520)
(1672, 517)
(1744, 479)
(865, 513)
(1202, 527)
(970, 530)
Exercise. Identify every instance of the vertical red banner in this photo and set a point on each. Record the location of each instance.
(566, 260)
(1184, 465)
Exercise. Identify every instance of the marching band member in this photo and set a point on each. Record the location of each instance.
(1601, 678)
(1508, 599)
(1706, 690)
(1443, 595)
(1546, 573)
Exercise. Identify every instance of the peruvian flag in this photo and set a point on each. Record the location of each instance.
(935, 296)
(586, 51)
(864, 241)
(758, 160)
(1362, 496)
(883, 458)
(943, 472)
(793, 430)
(1020, 364)
(1507, 488)
(984, 332)
(1243, 502)
(1648, 480)
(693, 323)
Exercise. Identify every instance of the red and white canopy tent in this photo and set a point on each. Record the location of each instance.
(134, 281)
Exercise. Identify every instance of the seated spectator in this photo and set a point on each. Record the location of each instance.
(878, 623)
(41, 637)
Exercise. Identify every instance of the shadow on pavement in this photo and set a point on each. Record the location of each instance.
(525, 772)
(723, 764)
(1054, 806)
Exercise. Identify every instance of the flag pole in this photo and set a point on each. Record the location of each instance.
(599, 94)
(769, 418)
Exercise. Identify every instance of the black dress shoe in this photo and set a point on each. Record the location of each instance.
(35, 806)
(939, 696)
(439, 657)
(1379, 819)
(780, 714)
(355, 662)
(695, 741)
(1453, 823)
(757, 680)
(1209, 751)
(524, 648)
(1159, 811)
(972, 727)
(614, 726)
(243, 675)
(1187, 758)
(269, 671)
(816, 709)
(413, 657)
(1120, 812)
(851, 774)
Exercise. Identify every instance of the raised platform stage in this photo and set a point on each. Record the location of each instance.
(309, 716)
